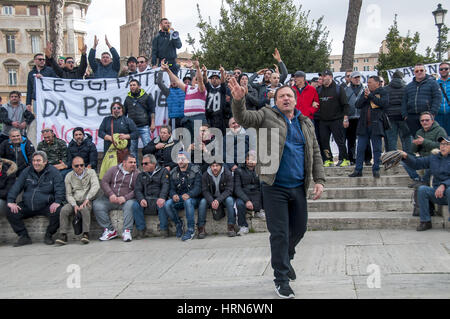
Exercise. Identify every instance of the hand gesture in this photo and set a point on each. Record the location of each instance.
(221, 69)
(276, 55)
(237, 91)
(189, 64)
(262, 71)
(83, 49)
(48, 50)
(164, 66)
(215, 204)
(196, 64)
(95, 42)
(204, 69)
(276, 69)
(107, 42)
(318, 190)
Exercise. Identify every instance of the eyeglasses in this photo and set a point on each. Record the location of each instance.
(46, 130)
(41, 59)
(444, 144)
(78, 165)
(417, 71)
(141, 62)
(238, 73)
(425, 120)
(116, 108)
(145, 163)
(443, 69)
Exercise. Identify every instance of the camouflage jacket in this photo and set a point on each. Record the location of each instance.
(55, 152)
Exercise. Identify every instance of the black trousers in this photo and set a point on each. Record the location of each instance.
(317, 131)
(350, 134)
(413, 122)
(17, 224)
(336, 128)
(286, 218)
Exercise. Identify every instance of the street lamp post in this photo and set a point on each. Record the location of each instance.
(439, 16)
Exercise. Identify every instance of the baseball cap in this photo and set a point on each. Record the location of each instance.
(355, 74)
(132, 59)
(326, 72)
(300, 74)
(213, 75)
(444, 138)
(314, 79)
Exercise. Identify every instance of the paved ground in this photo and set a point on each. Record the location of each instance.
(329, 264)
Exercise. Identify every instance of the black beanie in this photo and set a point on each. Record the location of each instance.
(78, 129)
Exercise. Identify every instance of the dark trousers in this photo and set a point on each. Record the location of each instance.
(336, 128)
(17, 224)
(350, 135)
(413, 122)
(316, 123)
(286, 218)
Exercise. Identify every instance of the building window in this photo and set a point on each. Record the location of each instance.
(12, 77)
(355, 60)
(366, 60)
(332, 70)
(10, 43)
(35, 43)
(7, 10)
(331, 61)
(355, 68)
(34, 11)
(366, 68)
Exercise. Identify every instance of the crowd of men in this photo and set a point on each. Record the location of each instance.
(59, 180)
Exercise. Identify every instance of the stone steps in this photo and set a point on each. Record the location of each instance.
(368, 181)
(366, 192)
(360, 204)
(367, 170)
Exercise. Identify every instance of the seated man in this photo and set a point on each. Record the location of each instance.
(247, 189)
(43, 193)
(18, 149)
(118, 188)
(82, 146)
(217, 190)
(161, 146)
(82, 186)
(185, 191)
(439, 165)
(56, 150)
(425, 140)
(8, 170)
(151, 191)
(203, 148)
(235, 145)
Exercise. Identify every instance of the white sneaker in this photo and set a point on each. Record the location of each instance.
(108, 234)
(126, 235)
(261, 215)
(243, 230)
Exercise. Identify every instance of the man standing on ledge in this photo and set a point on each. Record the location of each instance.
(285, 183)
(165, 45)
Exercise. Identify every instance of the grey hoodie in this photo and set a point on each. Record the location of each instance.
(216, 179)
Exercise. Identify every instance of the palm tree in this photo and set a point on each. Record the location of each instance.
(56, 27)
(150, 19)
(351, 28)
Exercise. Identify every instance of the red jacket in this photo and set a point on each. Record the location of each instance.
(305, 100)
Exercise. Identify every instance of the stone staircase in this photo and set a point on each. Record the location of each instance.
(366, 202)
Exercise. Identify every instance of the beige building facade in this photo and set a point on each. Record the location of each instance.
(24, 32)
(361, 62)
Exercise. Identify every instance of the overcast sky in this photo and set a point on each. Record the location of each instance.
(106, 17)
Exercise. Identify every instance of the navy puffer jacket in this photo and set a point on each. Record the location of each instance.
(421, 96)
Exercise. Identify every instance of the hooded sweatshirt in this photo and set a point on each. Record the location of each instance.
(117, 181)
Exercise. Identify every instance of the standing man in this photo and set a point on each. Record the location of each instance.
(174, 100)
(82, 187)
(142, 65)
(333, 119)
(131, 67)
(107, 68)
(307, 97)
(217, 109)
(14, 114)
(140, 107)
(443, 116)
(165, 45)
(39, 70)
(68, 70)
(421, 94)
(285, 183)
(43, 193)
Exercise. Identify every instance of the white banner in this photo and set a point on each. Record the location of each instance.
(408, 71)
(63, 104)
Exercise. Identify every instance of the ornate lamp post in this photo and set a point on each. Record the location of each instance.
(439, 16)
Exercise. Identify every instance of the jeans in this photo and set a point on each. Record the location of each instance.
(426, 194)
(398, 128)
(144, 133)
(413, 174)
(102, 206)
(242, 210)
(286, 218)
(350, 135)
(139, 212)
(444, 121)
(413, 122)
(363, 140)
(229, 204)
(189, 206)
(189, 123)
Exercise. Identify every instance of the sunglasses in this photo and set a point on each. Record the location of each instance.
(69, 62)
(41, 59)
(425, 120)
(78, 165)
(417, 71)
(145, 163)
(46, 130)
(141, 62)
(236, 72)
(443, 69)
(116, 108)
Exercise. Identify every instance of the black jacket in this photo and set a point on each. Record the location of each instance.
(225, 186)
(164, 47)
(395, 91)
(87, 150)
(40, 190)
(139, 108)
(31, 89)
(7, 179)
(152, 185)
(65, 73)
(193, 182)
(21, 154)
(247, 186)
(378, 97)
(164, 155)
(333, 106)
